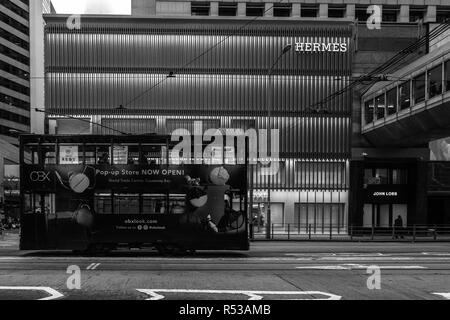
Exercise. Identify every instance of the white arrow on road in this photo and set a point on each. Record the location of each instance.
(446, 295)
(52, 292)
(253, 295)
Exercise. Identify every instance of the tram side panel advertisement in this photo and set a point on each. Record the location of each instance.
(195, 205)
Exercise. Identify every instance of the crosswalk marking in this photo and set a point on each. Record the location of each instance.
(93, 266)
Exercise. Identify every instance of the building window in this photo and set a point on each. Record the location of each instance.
(416, 13)
(380, 106)
(282, 9)
(442, 13)
(447, 75)
(227, 9)
(200, 8)
(369, 109)
(391, 101)
(309, 10)
(336, 11)
(404, 93)
(390, 13)
(435, 81)
(361, 13)
(419, 88)
(255, 9)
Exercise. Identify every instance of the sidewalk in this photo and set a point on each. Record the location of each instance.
(9, 240)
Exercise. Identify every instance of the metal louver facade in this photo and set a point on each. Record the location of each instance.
(221, 77)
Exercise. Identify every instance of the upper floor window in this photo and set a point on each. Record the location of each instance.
(255, 9)
(404, 94)
(227, 9)
(442, 13)
(447, 75)
(390, 13)
(419, 88)
(369, 109)
(309, 10)
(391, 101)
(336, 11)
(361, 13)
(282, 9)
(416, 13)
(435, 81)
(380, 106)
(200, 8)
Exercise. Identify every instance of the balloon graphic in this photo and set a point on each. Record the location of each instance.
(219, 176)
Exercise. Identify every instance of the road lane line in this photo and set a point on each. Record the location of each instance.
(357, 267)
(52, 292)
(155, 294)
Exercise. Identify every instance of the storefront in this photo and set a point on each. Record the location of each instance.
(382, 190)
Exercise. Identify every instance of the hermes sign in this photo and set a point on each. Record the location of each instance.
(321, 47)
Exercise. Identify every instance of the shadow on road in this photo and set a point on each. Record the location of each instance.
(137, 254)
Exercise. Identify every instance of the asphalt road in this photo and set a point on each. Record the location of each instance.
(271, 270)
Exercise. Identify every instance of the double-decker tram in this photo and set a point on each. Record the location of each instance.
(104, 192)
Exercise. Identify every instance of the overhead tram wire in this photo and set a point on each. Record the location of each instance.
(173, 73)
(79, 119)
(375, 74)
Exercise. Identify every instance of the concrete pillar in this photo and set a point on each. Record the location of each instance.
(241, 9)
(430, 15)
(268, 9)
(37, 83)
(214, 10)
(350, 12)
(296, 10)
(323, 10)
(404, 13)
(143, 7)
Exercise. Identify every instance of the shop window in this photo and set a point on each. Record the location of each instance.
(309, 10)
(320, 216)
(399, 176)
(369, 109)
(435, 81)
(282, 9)
(391, 101)
(200, 8)
(419, 88)
(153, 204)
(447, 75)
(227, 9)
(404, 93)
(126, 204)
(255, 9)
(390, 13)
(102, 203)
(380, 106)
(416, 13)
(375, 176)
(336, 11)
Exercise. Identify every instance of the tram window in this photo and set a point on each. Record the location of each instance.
(435, 81)
(153, 204)
(126, 204)
(89, 154)
(70, 154)
(39, 203)
(447, 75)
(102, 203)
(103, 155)
(133, 154)
(391, 101)
(177, 203)
(48, 153)
(380, 106)
(369, 108)
(153, 154)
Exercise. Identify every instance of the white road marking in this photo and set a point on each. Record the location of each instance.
(253, 295)
(93, 266)
(436, 254)
(358, 267)
(52, 292)
(446, 295)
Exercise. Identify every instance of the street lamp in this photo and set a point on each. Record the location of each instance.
(269, 101)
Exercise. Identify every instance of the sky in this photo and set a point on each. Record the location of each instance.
(92, 6)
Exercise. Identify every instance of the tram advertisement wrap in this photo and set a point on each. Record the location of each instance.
(129, 203)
